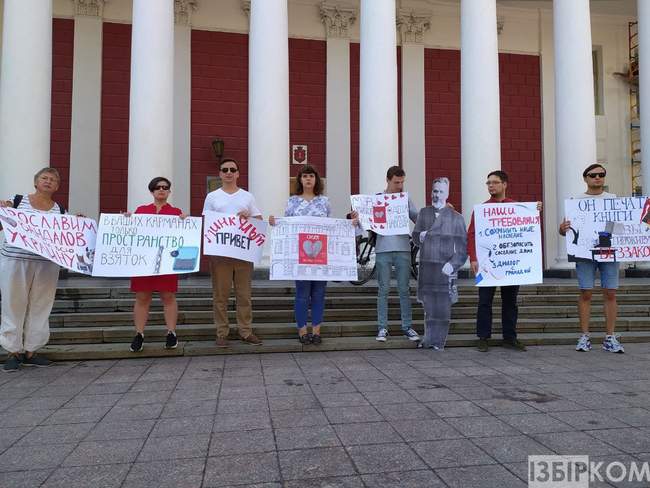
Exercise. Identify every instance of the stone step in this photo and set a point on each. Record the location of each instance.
(70, 352)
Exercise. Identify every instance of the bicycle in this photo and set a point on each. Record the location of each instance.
(366, 265)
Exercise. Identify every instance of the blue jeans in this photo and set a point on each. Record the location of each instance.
(586, 273)
(309, 293)
(384, 263)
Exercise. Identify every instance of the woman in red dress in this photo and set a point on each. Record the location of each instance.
(166, 285)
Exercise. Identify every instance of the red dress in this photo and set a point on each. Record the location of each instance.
(158, 282)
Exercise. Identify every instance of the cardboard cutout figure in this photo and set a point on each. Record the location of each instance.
(442, 237)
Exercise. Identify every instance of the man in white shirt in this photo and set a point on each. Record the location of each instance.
(594, 176)
(231, 199)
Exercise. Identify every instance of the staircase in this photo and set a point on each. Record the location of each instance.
(92, 319)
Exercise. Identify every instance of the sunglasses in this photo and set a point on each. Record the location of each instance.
(596, 175)
(226, 170)
(161, 187)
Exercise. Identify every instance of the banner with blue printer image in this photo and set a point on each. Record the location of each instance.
(147, 245)
(608, 229)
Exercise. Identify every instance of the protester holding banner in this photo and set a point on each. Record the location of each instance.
(225, 271)
(28, 283)
(594, 177)
(166, 285)
(497, 184)
(440, 233)
(308, 200)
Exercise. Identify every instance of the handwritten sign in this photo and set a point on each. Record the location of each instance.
(147, 245)
(313, 248)
(608, 229)
(66, 240)
(508, 244)
(234, 237)
(386, 214)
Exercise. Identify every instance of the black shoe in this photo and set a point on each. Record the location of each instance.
(316, 339)
(514, 344)
(12, 364)
(38, 361)
(304, 339)
(172, 340)
(138, 343)
(482, 345)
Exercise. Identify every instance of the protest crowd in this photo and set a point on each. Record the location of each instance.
(308, 246)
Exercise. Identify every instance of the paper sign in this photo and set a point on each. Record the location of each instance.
(234, 237)
(386, 214)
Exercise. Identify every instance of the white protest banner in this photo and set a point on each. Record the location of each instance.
(66, 240)
(386, 214)
(234, 237)
(608, 229)
(147, 245)
(313, 248)
(508, 244)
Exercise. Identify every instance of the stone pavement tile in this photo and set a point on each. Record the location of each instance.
(629, 440)
(107, 476)
(536, 423)
(511, 449)
(588, 419)
(115, 429)
(502, 406)
(574, 443)
(144, 397)
(460, 408)
(183, 426)
(232, 421)
(194, 383)
(480, 477)
(288, 389)
(344, 415)
(476, 393)
(242, 392)
(380, 458)
(24, 418)
(634, 416)
(388, 397)
(192, 395)
(56, 434)
(284, 419)
(77, 415)
(42, 456)
(5, 403)
(556, 405)
(342, 400)
(397, 411)
(242, 405)
(188, 446)
(241, 442)
(315, 463)
(9, 435)
(306, 437)
(333, 387)
(367, 433)
(442, 394)
(451, 453)
(24, 479)
(94, 401)
(425, 430)
(331, 482)
(107, 388)
(299, 402)
(36, 402)
(616, 472)
(481, 426)
(135, 412)
(144, 386)
(596, 401)
(104, 452)
(189, 408)
(237, 470)
(403, 479)
(375, 385)
(175, 473)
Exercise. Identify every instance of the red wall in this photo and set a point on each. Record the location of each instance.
(61, 117)
(116, 73)
(355, 78)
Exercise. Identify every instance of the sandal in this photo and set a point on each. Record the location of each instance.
(316, 339)
(304, 339)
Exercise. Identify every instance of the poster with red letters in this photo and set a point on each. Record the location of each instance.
(386, 214)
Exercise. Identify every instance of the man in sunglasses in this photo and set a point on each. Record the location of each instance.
(230, 199)
(594, 176)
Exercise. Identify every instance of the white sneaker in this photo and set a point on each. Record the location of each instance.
(584, 343)
(382, 335)
(611, 344)
(412, 335)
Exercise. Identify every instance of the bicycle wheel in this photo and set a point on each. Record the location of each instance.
(365, 262)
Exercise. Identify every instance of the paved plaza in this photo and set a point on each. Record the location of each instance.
(387, 418)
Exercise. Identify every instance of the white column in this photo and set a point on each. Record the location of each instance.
(411, 26)
(151, 125)
(268, 105)
(575, 120)
(479, 99)
(85, 137)
(25, 93)
(643, 17)
(182, 166)
(378, 135)
(337, 20)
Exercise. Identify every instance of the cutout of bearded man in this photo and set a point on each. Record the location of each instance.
(442, 237)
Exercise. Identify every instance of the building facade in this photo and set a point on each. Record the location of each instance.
(115, 92)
